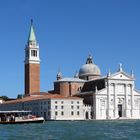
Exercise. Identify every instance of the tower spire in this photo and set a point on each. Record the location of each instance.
(32, 36)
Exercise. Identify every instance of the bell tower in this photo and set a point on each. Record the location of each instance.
(32, 64)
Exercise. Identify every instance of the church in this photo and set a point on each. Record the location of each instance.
(111, 97)
(87, 95)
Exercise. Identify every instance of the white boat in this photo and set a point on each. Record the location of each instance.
(17, 117)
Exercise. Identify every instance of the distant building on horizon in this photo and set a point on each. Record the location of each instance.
(87, 95)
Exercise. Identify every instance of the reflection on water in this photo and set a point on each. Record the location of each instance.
(73, 130)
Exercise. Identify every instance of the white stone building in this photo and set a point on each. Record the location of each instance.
(113, 96)
(51, 107)
(118, 99)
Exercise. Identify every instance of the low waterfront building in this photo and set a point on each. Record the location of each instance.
(51, 107)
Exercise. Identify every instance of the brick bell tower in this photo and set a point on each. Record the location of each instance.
(32, 64)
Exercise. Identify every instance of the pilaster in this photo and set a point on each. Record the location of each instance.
(126, 101)
(109, 110)
(115, 102)
(132, 101)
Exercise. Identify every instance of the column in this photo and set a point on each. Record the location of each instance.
(109, 110)
(126, 101)
(132, 101)
(97, 108)
(115, 102)
(108, 98)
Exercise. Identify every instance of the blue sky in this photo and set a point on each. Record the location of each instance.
(67, 31)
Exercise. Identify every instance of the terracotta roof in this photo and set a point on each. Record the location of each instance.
(39, 97)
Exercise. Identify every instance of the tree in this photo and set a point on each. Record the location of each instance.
(5, 98)
(19, 96)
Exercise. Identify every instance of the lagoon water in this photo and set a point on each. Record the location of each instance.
(73, 130)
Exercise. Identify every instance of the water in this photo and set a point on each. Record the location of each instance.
(73, 130)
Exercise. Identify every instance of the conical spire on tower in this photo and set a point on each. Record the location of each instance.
(32, 36)
(32, 48)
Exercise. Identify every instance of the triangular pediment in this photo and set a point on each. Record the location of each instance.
(121, 75)
(136, 92)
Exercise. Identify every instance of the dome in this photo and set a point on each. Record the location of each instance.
(89, 70)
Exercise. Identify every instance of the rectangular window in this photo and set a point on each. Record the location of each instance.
(78, 113)
(55, 107)
(55, 102)
(33, 53)
(72, 107)
(77, 107)
(62, 102)
(56, 113)
(71, 102)
(62, 113)
(72, 113)
(62, 107)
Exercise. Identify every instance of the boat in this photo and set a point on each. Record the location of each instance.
(19, 117)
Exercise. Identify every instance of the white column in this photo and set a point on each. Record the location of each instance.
(97, 108)
(107, 86)
(115, 101)
(94, 107)
(126, 101)
(108, 102)
(132, 101)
